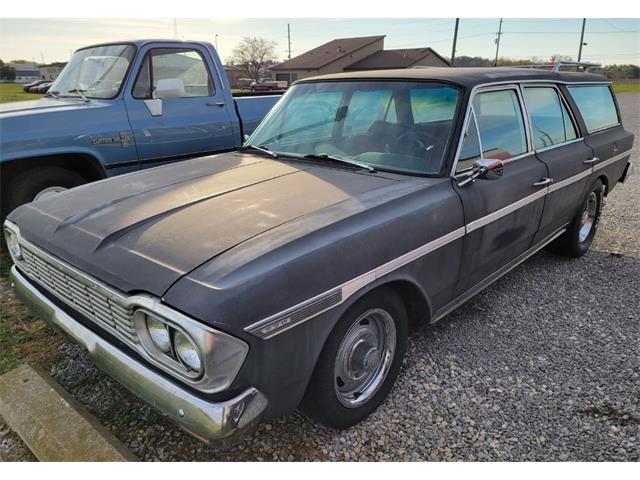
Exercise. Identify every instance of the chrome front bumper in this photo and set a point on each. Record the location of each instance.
(211, 422)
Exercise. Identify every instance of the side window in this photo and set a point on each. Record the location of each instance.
(596, 106)
(500, 123)
(470, 151)
(550, 122)
(184, 64)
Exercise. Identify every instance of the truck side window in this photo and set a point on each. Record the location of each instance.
(501, 124)
(550, 122)
(184, 64)
(596, 106)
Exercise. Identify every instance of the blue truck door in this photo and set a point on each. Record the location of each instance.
(198, 122)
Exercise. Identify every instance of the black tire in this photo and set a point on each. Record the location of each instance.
(26, 185)
(321, 400)
(570, 244)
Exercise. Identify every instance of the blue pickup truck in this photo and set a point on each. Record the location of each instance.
(121, 107)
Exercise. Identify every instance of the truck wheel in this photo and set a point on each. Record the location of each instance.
(360, 361)
(38, 183)
(576, 241)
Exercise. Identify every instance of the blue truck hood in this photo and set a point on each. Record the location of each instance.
(44, 104)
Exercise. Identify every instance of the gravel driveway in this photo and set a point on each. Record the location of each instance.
(545, 365)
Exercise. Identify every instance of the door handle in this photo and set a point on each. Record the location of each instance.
(544, 182)
(215, 104)
(592, 160)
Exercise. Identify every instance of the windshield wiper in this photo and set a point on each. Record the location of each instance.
(354, 163)
(79, 92)
(53, 94)
(260, 149)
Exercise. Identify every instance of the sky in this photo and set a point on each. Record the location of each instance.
(608, 41)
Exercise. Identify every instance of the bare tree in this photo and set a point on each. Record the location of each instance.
(255, 54)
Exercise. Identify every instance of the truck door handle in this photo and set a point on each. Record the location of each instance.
(592, 160)
(215, 104)
(544, 182)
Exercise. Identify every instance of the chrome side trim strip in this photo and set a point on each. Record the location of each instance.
(568, 181)
(611, 160)
(558, 145)
(481, 222)
(283, 321)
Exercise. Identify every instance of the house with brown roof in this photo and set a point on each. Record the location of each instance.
(349, 54)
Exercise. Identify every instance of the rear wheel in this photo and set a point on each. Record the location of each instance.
(576, 241)
(39, 183)
(360, 361)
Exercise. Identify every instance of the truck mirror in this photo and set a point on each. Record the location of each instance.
(169, 88)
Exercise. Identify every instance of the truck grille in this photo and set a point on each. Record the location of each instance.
(105, 308)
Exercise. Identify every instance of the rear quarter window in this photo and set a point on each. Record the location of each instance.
(596, 106)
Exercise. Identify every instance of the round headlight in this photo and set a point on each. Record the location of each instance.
(159, 334)
(13, 245)
(187, 352)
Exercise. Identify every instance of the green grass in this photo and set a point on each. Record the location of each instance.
(625, 87)
(12, 92)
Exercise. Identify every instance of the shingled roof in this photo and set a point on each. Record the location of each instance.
(327, 53)
(402, 58)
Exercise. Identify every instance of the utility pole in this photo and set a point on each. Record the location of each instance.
(289, 39)
(584, 22)
(42, 56)
(455, 40)
(216, 42)
(498, 43)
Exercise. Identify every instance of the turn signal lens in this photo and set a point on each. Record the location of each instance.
(159, 334)
(13, 245)
(187, 352)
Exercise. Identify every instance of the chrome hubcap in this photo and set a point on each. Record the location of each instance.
(48, 192)
(364, 357)
(588, 217)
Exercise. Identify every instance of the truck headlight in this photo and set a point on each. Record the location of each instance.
(12, 237)
(187, 352)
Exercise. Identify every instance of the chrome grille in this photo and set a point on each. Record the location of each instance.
(80, 292)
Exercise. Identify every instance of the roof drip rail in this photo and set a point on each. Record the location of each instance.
(555, 67)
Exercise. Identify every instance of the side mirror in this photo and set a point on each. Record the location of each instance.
(169, 88)
(484, 169)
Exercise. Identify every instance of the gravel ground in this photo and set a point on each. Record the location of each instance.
(545, 365)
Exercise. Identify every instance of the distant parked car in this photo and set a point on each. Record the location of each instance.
(27, 88)
(268, 84)
(244, 83)
(42, 88)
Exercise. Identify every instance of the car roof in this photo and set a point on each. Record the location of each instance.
(465, 76)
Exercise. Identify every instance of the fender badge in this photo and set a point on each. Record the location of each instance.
(123, 139)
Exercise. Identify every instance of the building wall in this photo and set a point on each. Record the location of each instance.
(49, 73)
(339, 65)
(26, 72)
(431, 60)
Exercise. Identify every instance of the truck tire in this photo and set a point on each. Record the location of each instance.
(359, 362)
(576, 241)
(37, 182)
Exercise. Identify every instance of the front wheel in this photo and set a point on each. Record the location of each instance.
(360, 361)
(576, 241)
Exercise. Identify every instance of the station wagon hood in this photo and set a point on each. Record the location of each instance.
(143, 231)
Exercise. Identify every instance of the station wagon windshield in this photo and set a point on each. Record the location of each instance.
(389, 125)
(96, 72)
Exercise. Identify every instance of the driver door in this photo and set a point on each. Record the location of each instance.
(501, 216)
(198, 122)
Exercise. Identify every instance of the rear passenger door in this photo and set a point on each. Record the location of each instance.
(603, 130)
(557, 143)
(501, 216)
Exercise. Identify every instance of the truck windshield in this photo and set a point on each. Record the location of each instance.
(390, 125)
(96, 72)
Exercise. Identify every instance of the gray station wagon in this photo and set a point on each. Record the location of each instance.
(234, 288)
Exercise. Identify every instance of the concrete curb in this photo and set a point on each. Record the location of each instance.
(52, 424)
